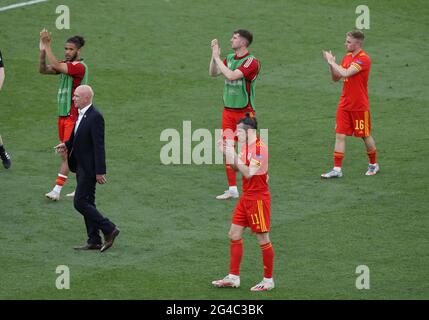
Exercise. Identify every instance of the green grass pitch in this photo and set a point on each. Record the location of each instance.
(149, 68)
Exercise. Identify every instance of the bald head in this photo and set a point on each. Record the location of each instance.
(83, 96)
(85, 91)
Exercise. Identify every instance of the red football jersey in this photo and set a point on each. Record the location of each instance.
(256, 188)
(355, 89)
(77, 71)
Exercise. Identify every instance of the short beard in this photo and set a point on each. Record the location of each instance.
(74, 57)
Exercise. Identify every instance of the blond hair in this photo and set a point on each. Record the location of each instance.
(356, 34)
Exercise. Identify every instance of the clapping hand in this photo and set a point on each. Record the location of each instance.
(328, 56)
(215, 49)
(45, 38)
(228, 149)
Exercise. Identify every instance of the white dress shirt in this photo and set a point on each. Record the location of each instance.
(81, 115)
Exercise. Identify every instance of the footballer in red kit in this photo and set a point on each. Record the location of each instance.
(73, 72)
(353, 114)
(241, 70)
(253, 209)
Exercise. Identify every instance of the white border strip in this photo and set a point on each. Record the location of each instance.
(21, 4)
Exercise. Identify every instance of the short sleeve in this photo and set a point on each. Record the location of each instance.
(361, 63)
(249, 68)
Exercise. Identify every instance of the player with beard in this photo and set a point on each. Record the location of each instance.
(73, 73)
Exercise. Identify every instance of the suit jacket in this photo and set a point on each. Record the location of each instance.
(86, 152)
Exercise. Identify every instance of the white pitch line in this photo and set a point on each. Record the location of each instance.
(21, 4)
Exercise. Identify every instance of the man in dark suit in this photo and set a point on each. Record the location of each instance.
(86, 157)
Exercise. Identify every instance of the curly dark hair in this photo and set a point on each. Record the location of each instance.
(78, 41)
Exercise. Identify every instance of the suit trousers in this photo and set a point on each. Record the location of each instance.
(84, 202)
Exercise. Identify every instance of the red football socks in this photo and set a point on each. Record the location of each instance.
(236, 254)
(61, 180)
(268, 259)
(338, 159)
(372, 156)
(231, 176)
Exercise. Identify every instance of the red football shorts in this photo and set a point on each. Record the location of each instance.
(253, 213)
(229, 121)
(355, 123)
(65, 127)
